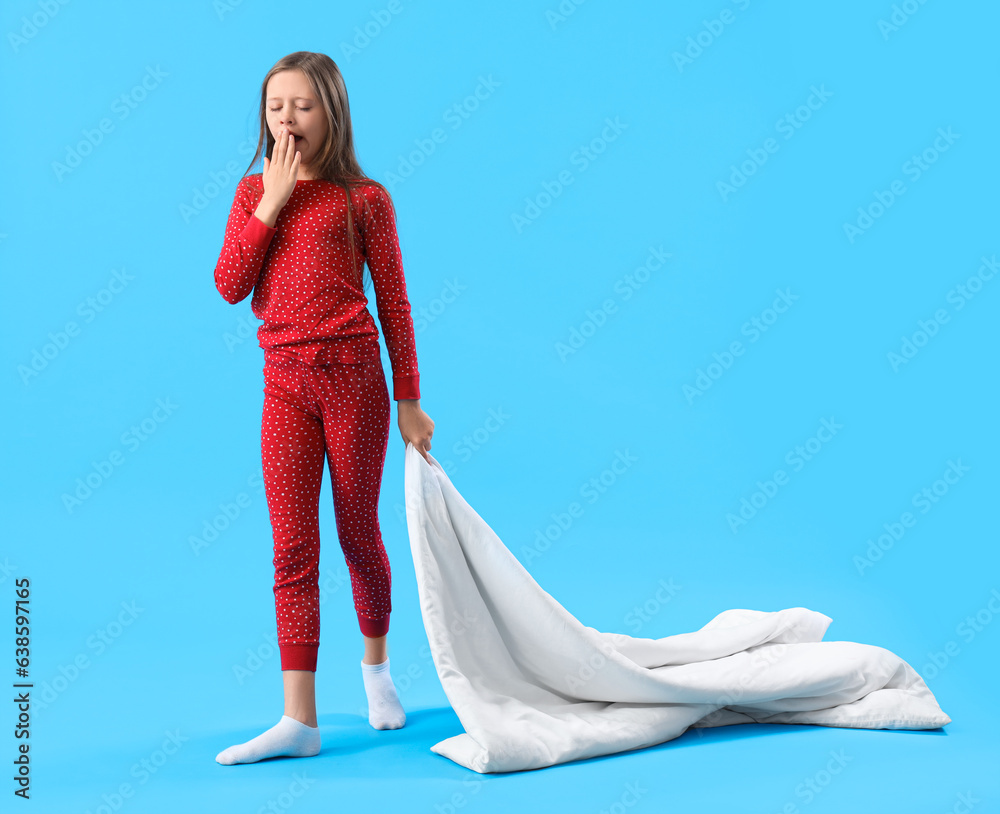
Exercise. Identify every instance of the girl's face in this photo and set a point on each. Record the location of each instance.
(292, 104)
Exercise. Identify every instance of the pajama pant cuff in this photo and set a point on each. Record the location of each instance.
(299, 656)
(374, 628)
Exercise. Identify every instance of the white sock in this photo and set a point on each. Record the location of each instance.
(288, 737)
(384, 709)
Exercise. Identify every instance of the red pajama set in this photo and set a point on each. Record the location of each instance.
(325, 391)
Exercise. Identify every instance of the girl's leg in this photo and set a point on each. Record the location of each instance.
(375, 650)
(300, 695)
(356, 414)
(292, 448)
(356, 426)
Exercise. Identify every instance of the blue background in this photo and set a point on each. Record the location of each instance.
(149, 200)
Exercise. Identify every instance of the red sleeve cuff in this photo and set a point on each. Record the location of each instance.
(258, 232)
(406, 387)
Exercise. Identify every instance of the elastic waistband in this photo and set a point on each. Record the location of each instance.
(313, 354)
(275, 358)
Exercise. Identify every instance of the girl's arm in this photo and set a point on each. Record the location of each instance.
(246, 241)
(386, 266)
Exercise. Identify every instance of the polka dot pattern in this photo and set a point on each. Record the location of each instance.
(340, 411)
(306, 287)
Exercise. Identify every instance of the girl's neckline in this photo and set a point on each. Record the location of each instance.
(314, 181)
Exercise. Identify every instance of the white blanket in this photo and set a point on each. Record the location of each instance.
(533, 686)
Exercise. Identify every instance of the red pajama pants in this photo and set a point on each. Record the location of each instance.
(340, 411)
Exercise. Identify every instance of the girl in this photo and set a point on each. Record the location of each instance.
(298, 235)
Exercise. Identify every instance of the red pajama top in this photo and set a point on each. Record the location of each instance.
(305, 287)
